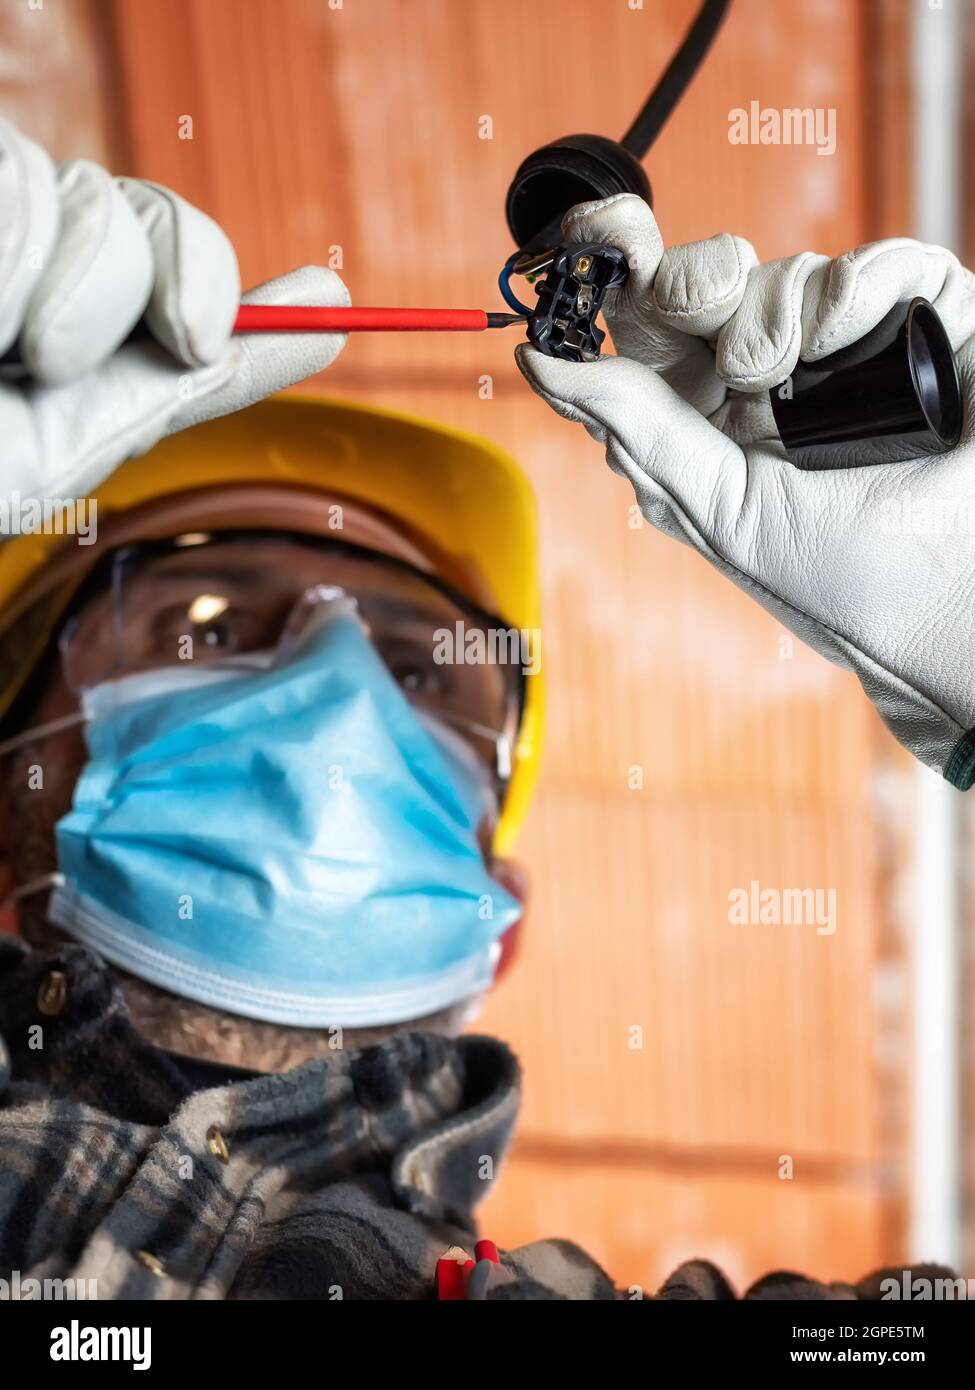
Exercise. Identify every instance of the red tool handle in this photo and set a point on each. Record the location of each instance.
(305, 318)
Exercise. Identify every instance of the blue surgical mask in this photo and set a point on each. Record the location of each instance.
(290, 842)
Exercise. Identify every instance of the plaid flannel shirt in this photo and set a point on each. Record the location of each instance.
(156, 1176)
(139, 1174)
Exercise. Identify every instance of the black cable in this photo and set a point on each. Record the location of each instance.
(672, 85)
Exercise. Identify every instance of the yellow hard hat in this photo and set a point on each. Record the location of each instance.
(464, 495)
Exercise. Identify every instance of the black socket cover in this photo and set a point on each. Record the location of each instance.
(892, 395)
(575, 169)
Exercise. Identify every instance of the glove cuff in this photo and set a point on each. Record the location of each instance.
(960, 767)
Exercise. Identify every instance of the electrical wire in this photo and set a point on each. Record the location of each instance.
(676, 79)
(507, 293)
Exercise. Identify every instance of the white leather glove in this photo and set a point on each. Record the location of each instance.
(82, 257)
(872, 566)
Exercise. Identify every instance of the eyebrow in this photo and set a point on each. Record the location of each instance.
(408, 608)
(243, 575)
(246, 577)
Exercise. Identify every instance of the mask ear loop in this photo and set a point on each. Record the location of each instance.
(502, 749)
(27, 890)
(502, 743)
(38, 731)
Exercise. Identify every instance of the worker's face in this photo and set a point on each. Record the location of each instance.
(229, 597)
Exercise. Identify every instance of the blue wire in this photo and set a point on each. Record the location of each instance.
(507, 293)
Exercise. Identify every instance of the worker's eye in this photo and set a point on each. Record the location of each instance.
(213, 630)
(218, 635)
(416, 679)
(412, 668)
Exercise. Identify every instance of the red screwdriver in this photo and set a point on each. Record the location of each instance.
(309, 318)
(305, 318)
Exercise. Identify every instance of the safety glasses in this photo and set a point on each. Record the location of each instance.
(209, 597)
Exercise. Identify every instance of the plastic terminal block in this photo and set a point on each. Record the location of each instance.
(570, 297)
